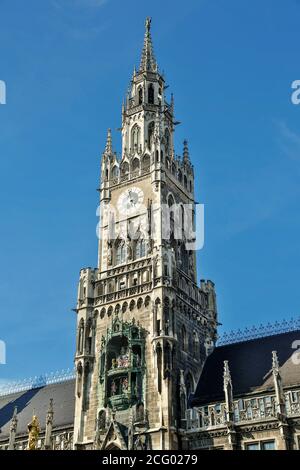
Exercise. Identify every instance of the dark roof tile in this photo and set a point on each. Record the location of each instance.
(250, 363)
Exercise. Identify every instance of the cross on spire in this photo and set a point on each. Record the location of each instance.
(148, 62)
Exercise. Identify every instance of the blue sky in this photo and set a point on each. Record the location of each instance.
(67, 64)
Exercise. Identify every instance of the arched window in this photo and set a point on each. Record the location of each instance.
(182, 219)
(140, 249)
(89, 336)
(191, 186)
(167, 141)
(159, 367)
(184, 339)
(135, 165)
(167, 359)
(121, 253)
(189, 385)
(161, 156)
(166, 320)
(150, 132)
(157, 155)
(179, 176)
(79, 378)
(196, 348)
(146, 162)
(182, 405)
(185, 181)
(101, 419)
(80, 336)
(140, 93)
(124, 168)
(115, 172)
(151, 94)
(171, 214)
(135, 137)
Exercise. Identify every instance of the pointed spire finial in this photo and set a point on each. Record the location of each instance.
(172, 102)
(148, 62)
(108, 146)
(226, 373)
(186, 155)
(275, 362)
(14, 420)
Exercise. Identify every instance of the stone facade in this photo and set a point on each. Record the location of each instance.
(147, 372)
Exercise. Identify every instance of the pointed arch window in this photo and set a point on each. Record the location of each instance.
(120, 253)
(140, 249)
(159, 367)
(172, 215)
(80, 336)
(182, 221)
(146, 162)
(189, 385)
(167, 141)
(135, 137)
(124, 168)
(136, 165)
(150, 132)
(115, 172)
(179, 176)
(151, 94)
(184, 339)
(140, 94)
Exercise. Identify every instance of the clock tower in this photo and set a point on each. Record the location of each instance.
(144, 325)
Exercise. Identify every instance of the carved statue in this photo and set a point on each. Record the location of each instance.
(113, 388)
(123, 359)
(129, 249)
(109, 253)
(33, 433)
(125, 385)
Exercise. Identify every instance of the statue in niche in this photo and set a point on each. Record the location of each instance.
(113, 388)
(167, 323)
(129, 249)
(123, 359)
(109, 253)
(191, 262)
(137, 360)
(125, 385)
(102, 419)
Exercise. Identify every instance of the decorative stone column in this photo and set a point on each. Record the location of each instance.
(49, 425)
(280, 404)
(229, 407)
(13, 430)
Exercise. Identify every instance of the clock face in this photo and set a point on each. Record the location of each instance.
(130, 200)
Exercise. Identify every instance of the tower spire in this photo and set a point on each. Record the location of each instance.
(148, 62)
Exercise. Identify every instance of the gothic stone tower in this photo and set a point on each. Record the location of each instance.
(144, 326)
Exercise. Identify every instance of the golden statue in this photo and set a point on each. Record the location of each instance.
(33, 433)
